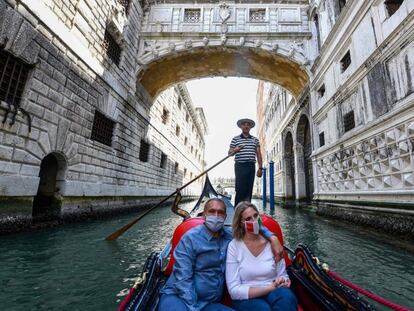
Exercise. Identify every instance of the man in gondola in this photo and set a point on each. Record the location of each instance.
(197, 279)
(246, 149)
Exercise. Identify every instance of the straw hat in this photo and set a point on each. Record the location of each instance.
(250, 121)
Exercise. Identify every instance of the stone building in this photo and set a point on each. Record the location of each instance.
(78, 135)
(349, 136)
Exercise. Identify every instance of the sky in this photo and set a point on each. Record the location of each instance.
(224, 100)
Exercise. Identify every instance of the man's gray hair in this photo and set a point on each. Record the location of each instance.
(212, 200)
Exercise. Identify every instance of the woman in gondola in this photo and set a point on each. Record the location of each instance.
(254, 279)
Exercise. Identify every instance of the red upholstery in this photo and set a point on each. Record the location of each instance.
(178, 233)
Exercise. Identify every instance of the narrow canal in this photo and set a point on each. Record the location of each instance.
(73, 268)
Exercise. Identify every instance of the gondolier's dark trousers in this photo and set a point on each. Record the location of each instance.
(244, 172)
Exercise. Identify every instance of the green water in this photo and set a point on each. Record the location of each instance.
(73, 268)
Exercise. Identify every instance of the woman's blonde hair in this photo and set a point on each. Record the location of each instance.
(238, 227)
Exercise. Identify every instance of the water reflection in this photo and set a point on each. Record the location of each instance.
(73, 268)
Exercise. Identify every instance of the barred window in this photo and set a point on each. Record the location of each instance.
(321, 139)
(112, 48)
(13, 77)
(176, 168)
(102, 128)
(349, 121)
(165, 115)
(257, 15)
(345, 61)
(321, 91)
(144, 151)
(163, 162)
(392, 6)
(192, 15)
(125, 5)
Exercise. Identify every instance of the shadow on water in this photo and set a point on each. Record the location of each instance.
(73, 268)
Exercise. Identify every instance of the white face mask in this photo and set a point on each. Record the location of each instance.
(253, 226)
(214, 223)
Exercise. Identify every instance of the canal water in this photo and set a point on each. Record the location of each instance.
(74, 268)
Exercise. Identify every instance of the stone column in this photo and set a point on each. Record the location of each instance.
(287, 178)
(300, 180)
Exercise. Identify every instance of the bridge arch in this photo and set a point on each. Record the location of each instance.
(286, 67)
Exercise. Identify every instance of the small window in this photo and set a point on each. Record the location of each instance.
(185, 141)
(165, 115)
(257, 15)
(321, 91)
(392, 6)
(191, 149)
(349, 121)
(13, 77)
(176, 168)
(321, 139)
(102, 129)
(342, 4)
(112, 48)
(192, 15)
(179, 103)
(163, 162)
(345, 61)
(125, 5)
(186, 117)
(185, 172)
(144, 151)
(177, 130)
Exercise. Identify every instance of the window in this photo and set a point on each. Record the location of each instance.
(185, 141)
(163, 162)
(191, 149)
(176, 168)
(321, 91)
(349, 121)
(192, 15)
(112, 48)
(125, 5)
(186, 117)
(179, 103)
(257, 15)
(144, 151)
(342, 4)
(185, 172)
(13, 77)
(177, 130)
(318, 33)
(345, 61)
(321, 139)
(165, 115)
(102, 129)
(392, 6)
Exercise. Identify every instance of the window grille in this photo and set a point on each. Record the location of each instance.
(163, 162)
(144, 151)
(349, 121)
(112, 48)
(257, 15)
(102, 129)
(176, 168)
(177, 130)
(13, 77)
(392, 6)
(345, 61)
(321, 91)
(321, 139)
(125, 5)
(192, 15)
(165, 115)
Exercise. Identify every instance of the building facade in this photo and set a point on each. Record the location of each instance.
(349, 137)
(78, 136)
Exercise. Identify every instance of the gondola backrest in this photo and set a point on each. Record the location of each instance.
(274, 227)
(178, 233)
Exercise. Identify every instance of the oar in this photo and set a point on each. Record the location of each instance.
(119, 232)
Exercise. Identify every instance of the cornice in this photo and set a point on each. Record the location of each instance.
(216, 35)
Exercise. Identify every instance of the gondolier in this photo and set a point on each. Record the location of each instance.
(246, 149)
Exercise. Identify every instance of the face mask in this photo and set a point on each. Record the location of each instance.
(253, 226)
(214, 223)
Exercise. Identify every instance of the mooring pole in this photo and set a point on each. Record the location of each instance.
(264, 187)
(271, 185)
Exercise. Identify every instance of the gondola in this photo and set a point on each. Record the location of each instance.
(313, 286)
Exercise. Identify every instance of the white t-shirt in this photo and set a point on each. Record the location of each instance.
(243, 270)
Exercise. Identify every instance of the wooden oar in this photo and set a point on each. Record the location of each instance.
(119, 232)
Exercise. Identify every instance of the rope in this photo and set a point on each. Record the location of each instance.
(367, 293)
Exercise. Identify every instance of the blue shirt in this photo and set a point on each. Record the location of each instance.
(199, 269)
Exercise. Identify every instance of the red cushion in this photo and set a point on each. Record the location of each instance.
(178, 233)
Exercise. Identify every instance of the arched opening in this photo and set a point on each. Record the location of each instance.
(47, 202)
(199, 62)
(305, 141)
(290, 168)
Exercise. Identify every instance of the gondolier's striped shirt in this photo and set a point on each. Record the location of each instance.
(248, 152)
